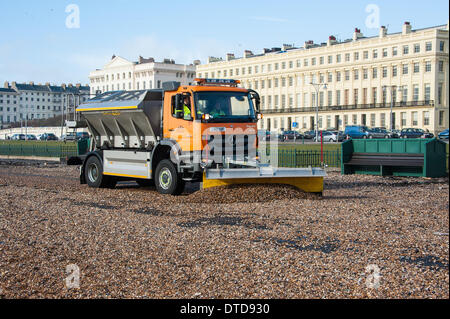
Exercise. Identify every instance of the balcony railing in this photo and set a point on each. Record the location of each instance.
(349, 107)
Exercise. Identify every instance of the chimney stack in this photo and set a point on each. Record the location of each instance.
(78, 85)
(285, 47)
(248, 53)
(197, 62)
(331, 40)
(357, 34)
(31, 83)
(309, 44)
(6, 86)
(406, 28)
(47, 84)
(230, 56)
(383, 31)
(63, 86)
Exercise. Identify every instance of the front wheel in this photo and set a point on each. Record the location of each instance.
(167, 180)
(94, 177)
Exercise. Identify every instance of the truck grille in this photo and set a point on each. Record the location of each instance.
(236, 147)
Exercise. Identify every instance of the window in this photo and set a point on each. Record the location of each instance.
(305, 100)
(347, 75)
(276, 101)
(330, 77)
(403, 118)
(283, 82)
(375, 54)
(417, 48)
(385, 53)
(383, 120)
(428, 66)
(394, 51)
(338, 76)
(442, 46)
(439, 96)
(355, 96)
(299, 63)
(330, 59)
(355, 119)
(428, 46)
(441, 118)
(338, 58)
(356, 56)
(365, 74)
(415, 93)
(366, 55)
(405, 69)
(313, 61)
(405, 94)
(305, 62)
(415, 118)
(394, 71)
(416, 67)
(276, 82)
(372, 120)
(405, 49)
(374, 73)
(427, 92)
(330, 98)
(347, 57)
(321, 98)
(322, 60)
(426, 118)
(283, 65)
(374, 95)
(338, 97)
(385, 72)
(441, 66)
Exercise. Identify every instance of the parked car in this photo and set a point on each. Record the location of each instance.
(18, 137)
(443, 135)
(415, 133)
(329, 136)
(309, 135)
(395, 133)
(31, 137)
(380, 132)
(69, 137)
(291, 135)
(357, 131)
(48, 137)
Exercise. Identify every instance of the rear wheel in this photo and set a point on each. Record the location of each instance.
(167, 180)
(386, 137)
(93, 171)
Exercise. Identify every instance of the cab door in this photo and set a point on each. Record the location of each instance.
(177, 126)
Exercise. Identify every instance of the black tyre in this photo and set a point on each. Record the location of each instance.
(93, 173)
(167, 180)
(145, 182)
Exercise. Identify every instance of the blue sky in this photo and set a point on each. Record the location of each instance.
(36, 45)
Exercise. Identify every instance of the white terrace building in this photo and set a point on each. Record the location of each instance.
(121, 74)
(363, 76)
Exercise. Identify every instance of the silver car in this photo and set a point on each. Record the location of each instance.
(329, 136)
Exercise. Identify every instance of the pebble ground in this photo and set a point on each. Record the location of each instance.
(237, 242)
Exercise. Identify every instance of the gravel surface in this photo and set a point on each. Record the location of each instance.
(237, 242)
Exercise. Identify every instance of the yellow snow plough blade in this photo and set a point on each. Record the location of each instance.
(306, 184)
(309, 180)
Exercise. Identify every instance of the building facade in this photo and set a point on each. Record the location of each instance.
(121, 74)
(29, 101)
(364, 77)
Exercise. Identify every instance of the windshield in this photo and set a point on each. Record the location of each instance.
(225, 106)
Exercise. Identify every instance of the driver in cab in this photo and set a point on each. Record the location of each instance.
(217, 111)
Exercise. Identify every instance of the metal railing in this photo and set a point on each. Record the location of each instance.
(429, 103)
(302, 158)
(43, 148)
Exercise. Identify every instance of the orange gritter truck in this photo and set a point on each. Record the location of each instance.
(204, 133)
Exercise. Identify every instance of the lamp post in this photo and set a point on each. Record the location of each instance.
(318, 87)
(392, 87)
